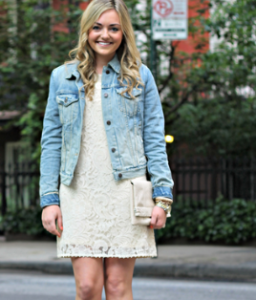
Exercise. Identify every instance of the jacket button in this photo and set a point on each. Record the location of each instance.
(107, 72)
(108, 122)
(113, 150)
(120, 175)
(106, 95)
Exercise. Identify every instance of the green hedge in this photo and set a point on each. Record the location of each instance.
(226, 222)
(25, 220)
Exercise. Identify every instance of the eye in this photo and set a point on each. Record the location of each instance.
(95, 27)
(115, 29)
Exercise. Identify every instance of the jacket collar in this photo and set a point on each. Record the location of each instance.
(72, 72)
(115, 64)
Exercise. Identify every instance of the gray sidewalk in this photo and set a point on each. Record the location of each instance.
(174, 261)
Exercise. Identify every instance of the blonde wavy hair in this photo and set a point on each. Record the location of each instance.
(127, 53)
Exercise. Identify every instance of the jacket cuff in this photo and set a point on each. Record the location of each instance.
(49, 199)
(162, 191)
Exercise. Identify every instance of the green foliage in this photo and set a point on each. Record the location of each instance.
(33, 41)
(25, 220)
(219, 120)
(228, 222)
(218, 127)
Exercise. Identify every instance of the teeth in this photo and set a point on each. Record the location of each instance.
(104, 43)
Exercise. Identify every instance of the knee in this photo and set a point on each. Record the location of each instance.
(115, 287)
(86, 290)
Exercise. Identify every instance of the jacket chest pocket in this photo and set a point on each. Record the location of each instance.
(128, 105)
(68, 107)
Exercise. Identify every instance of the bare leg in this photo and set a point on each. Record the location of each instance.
(89, 277)
(118, 278)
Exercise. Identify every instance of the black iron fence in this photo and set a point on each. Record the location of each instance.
(196, 180)
(203, 180)
(18, 186)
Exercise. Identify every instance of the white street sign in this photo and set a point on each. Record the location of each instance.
(169, 19)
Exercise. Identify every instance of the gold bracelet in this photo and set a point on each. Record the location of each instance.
(165, 206)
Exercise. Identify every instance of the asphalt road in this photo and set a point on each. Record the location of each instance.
(30, 285)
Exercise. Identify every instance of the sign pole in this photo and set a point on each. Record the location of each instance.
(153, 68)
(152, 48)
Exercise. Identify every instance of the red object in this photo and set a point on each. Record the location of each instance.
(189, 45)
(163, 7)
(58, 4)
(83, 5)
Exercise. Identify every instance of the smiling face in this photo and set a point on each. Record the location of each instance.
(106, 35)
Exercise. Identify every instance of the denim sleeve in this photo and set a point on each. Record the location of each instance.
(50, 150)
(154, 141)
(50, 199)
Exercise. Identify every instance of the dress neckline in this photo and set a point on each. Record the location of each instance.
(98, 81)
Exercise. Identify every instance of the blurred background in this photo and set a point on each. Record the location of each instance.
(207, 87)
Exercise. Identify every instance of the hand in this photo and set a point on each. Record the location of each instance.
(49, 215)
(158, 218)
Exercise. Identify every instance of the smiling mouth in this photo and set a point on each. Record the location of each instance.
(104, 43)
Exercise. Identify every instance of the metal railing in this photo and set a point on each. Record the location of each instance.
(18, 186)
(196, 180)
(203, 180)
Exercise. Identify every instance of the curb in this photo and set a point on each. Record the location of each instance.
(197, 271)
(46, 267)
(164, 270)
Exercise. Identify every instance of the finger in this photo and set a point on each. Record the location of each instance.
(46, 225)
(153, 220)
(53, 230)
(56, 232)
(160, 222)
(159, 225)
(59, 221)
(51, 227)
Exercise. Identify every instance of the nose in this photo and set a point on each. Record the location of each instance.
(105, 34)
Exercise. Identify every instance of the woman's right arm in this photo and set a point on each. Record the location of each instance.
(51, 142)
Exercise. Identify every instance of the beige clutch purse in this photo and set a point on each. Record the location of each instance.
(142, 203)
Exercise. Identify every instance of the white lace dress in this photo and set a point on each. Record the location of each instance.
(96, 208)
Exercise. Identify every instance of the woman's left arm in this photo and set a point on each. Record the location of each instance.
(154, 140)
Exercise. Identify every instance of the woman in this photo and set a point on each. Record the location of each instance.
(103, 118)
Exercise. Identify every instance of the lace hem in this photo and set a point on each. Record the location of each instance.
(68, 250)
(96, 256)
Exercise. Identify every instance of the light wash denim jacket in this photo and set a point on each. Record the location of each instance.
(134, 129)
